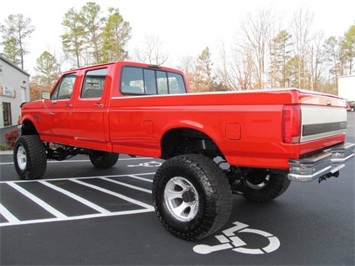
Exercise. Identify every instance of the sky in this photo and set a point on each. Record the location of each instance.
(184, 27)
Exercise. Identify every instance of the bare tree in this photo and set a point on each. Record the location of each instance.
(301, 29)
(151, 52)
(187, 65)
(224, 69)
(317, 62)
(256, 30)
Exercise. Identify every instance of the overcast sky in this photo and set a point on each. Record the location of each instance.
(185, 27)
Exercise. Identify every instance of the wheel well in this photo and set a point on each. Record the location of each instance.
(187, 141)
(28, 128)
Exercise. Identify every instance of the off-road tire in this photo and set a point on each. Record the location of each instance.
(275, 187)
(101, 159)
(211, 187)
(30, 157)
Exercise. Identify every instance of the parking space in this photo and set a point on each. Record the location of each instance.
(78, 214)
(72, 199)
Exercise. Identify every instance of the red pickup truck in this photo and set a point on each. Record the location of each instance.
(251, 143)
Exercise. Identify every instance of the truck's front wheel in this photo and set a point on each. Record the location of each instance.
(30, 157)
(101, 159)
(191, 196)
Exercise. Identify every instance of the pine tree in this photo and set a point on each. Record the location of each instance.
(16, 30)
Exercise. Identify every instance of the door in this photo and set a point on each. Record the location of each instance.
(89, 109)
(58, 111)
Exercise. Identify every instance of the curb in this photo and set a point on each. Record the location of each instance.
(6, 152)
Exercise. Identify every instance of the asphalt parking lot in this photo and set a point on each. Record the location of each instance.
(78, 214)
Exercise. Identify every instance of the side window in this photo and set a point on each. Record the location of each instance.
(64, 89)
(132, 81)
(162, 82)
(176, 83)
(149, 82)
(93, 84)
(144, 81)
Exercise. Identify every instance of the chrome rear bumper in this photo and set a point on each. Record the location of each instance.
(326, 163)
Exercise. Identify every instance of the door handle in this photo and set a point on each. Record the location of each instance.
(68, 105)
(99, 105)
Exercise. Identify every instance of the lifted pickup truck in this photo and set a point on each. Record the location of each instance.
(251, 143)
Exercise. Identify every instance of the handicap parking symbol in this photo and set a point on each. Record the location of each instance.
(229, 240)
(146, 164)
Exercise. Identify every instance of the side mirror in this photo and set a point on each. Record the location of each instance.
(45, 95)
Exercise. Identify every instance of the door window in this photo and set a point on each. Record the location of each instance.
(64, 89)
(93, 84)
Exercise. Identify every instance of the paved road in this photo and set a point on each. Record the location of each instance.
(78, 214)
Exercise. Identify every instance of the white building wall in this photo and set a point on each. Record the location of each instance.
(14, 89)
(346, 87)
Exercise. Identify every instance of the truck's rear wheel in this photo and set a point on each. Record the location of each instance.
(30, 157)
(191, 196)
(262, 186)
(101, 159)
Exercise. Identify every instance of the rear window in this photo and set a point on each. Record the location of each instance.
(145, 81)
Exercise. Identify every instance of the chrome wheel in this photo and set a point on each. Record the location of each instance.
(181, 199)
(21, 158)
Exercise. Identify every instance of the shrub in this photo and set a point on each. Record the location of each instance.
(11, 137)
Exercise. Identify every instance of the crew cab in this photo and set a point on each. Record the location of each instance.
(251, 143)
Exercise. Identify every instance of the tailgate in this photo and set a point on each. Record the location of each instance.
(322, 116)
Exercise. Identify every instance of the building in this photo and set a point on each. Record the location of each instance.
(346, 87)
(14, 90)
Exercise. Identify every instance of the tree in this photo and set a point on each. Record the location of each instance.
(317, 62)
(35, 88)
(224, 67)
(93, 22)
(256, 31)
(16, 30)
(301, 26)
(203, 72)
(332, 49)
(116, 34)
(152, 52)
(73, 39)
(187, 65)
(348, 45)
(49, 69)
(48, 72)
(280, 53)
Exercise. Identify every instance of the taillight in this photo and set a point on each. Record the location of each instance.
(291, 124)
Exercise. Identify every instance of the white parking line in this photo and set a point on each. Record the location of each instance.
(73, 218)
(139, 203)
(37, 200)
(58, 216)
(126, 185)
(141, 178)
(84, 161)
(76, 197)
(85, 177)
(8, 215)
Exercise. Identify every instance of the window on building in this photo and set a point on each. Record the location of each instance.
(23, 94)
(6, 109)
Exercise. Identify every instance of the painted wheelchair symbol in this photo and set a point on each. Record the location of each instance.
(146, 164)
(229, 240)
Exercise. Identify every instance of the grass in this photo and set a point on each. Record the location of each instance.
(5, 147)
